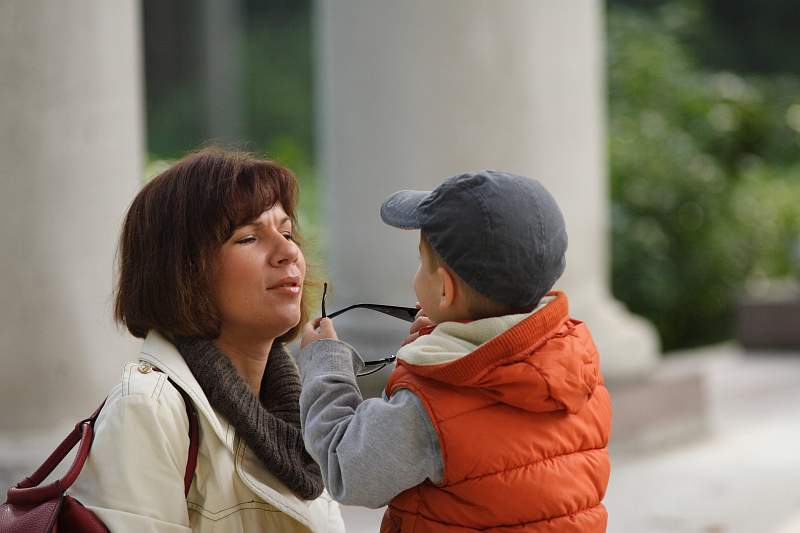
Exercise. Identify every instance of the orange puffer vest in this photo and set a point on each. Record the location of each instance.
(523, 424)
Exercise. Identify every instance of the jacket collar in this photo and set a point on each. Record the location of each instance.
(450, 341)
(161, 353)
(530, 332)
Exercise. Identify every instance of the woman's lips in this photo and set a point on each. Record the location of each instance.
(289, 285)
(291, 290)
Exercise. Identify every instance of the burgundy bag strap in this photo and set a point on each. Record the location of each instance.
(27, 491)
(194, 438)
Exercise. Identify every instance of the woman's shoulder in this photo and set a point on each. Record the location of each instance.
(133, 478)
(144, 388)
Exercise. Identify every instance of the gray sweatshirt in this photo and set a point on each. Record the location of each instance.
(369, 450)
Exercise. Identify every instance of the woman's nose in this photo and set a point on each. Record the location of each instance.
(286, 251)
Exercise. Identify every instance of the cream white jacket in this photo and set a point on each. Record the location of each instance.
(133, 478)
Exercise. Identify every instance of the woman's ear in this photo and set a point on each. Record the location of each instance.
(449, 288)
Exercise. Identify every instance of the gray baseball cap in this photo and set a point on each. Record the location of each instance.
(503, 234)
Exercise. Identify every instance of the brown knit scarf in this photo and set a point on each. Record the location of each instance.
(270, 427)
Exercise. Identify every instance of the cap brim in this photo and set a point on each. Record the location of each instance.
(401, 209)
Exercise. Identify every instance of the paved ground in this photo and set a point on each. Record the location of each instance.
(744, 478)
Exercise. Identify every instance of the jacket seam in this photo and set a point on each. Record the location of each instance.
(162, 378)
(126, 383)
(546, 383)
(229, 508)
(496, 526)
(460, 414)
(527, 465)
(130, 513)
(128, 376)
(244, 506)
(495, 403)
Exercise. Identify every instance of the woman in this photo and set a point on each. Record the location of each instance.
(212, 278)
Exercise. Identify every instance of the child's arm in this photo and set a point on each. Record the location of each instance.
(369, 450)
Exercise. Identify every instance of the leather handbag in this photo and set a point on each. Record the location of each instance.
(31, 508)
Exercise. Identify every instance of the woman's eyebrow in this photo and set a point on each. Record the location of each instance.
(258, 223)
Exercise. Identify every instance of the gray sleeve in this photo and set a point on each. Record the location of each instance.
(369, 450)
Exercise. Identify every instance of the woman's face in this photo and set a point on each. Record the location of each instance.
(259, 278)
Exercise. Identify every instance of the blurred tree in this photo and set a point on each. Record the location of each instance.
(274, 99)
(278, 68)
(752, 37)
(704, 176)
(173, 74)
(737, 35)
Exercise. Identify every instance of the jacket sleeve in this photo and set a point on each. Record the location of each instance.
(369, 450)
(133, 478)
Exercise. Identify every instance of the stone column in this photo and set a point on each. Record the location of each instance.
(70, 157)
(223, 27)
(412, 92)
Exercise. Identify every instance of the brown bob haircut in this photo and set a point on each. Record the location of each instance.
(174, 229)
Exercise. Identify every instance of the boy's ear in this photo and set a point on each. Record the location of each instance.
(449, 288)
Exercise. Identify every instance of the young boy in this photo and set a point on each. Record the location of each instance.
(498, 419)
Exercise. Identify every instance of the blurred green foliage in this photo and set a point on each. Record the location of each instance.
(738, 35)
(705, 175)
(278, 100)
(275, 81)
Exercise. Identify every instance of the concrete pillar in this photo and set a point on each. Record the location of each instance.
(223, 28)
(412, 92)
(70, 158)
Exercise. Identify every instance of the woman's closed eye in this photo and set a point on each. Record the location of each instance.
(251, 238)
(246, 240)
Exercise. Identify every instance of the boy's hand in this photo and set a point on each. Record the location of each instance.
(420, 322)
(318, 329)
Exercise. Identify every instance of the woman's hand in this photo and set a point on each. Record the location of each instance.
(316, 330)
(420, 322)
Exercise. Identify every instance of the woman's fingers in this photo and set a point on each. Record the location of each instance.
(326, 329)
(308, 335)
(317, 329)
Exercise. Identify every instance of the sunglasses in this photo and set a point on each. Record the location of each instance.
(407, 314)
